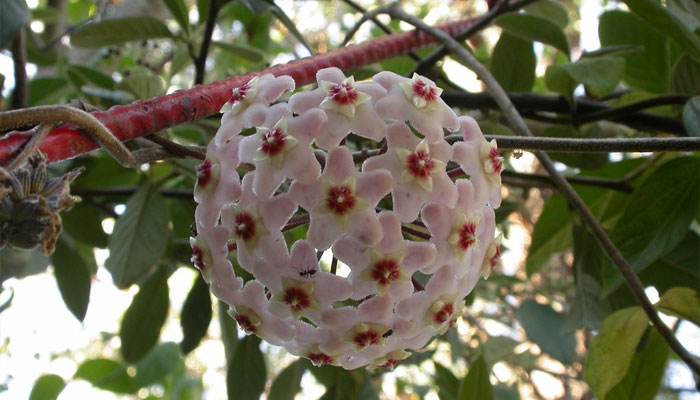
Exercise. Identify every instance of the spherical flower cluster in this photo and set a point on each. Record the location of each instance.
(395, 221)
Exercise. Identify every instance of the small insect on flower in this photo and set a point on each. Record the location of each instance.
(388, 333)
(306, 273)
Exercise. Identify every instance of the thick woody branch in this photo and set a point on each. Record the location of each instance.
(145, 117)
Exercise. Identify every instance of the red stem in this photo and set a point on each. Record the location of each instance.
(145, 117)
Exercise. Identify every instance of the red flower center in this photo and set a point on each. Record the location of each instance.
(496, 161)
(424, 91)
(493, 261)
(319, 359)
(340, 200)
(420, 164)
(390, 364)
(273, 142)
(296, 298)
(367, 338)
(467, 236)
(239, 94)
(444, 314)
(385, 271)
(244, 228)
(204, 174)
(343, 94)
(198, 259)
(245, 323)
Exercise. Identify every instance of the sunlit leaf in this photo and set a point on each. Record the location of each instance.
(645, 372)
(613, 348)
(179, 11)
(47, 387)
(447, 383)
(240, 50)
(681, 302)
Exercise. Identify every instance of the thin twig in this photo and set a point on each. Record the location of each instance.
(19, 60)
(196, 152)
(334, 265)
(415, 232)
(32, 145)
(618, 112)
(531, 105)
(521, 128)
(504, 6)
(201, 61)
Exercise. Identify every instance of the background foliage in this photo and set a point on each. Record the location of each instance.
(558, 323)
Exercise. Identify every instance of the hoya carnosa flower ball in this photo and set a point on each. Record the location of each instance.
(384, 243)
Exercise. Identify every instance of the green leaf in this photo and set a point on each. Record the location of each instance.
(545, 328)
(121, 30)
(84, 224)
(587, 309)
(678, 267)
(513, 63)
(157, 364)
(144, 84)
(534, 28)
(686, 77)
(44, 91)
(288, 382)
(81, 76)
(339, 384)
(47, 387)
(658, 16)
(203, 10)
(551, 10)
(476, 385)
(681, 302)
(656, 217)
(613, 348)
(106, 374)
(558, 80)
(245, 378)
(145, 317)
(645, 372)
(240, 50)
(600, 75)
(263, 6)
(648, 70)
(72, 276)
(179, 11)
(14, 15)
(447, 383)
(691, 116)
(196, 315)
(551, 235)
(503, 392)
(498, 348)
(139, 237)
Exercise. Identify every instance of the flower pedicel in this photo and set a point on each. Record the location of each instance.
(370, 311)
